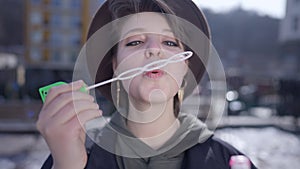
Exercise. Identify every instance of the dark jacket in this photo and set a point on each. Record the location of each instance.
(212, 154)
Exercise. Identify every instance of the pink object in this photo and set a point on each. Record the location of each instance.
(239, 162)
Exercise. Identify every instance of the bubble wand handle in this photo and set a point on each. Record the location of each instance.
(131, 73)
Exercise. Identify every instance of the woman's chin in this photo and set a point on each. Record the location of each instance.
(157, 95)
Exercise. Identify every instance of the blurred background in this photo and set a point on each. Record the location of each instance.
(257, 41)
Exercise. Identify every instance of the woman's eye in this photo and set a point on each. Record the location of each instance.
(134, 43)
(170, 43)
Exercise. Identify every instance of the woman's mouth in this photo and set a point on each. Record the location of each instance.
(154, 74)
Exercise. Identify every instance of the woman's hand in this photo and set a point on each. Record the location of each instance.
(61, 121)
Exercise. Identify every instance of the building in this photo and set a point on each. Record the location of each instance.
(289, 38)
(290, 26)
(56, 30)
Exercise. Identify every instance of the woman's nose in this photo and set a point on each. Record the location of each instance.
(153, 49)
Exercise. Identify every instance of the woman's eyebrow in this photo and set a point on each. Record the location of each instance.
(164, 32)
(135, 30)
(169, 32)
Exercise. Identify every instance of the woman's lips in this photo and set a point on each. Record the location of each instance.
(154, 74)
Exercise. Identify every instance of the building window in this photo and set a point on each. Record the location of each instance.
(36, 2)
(55, 56)
(76, 3)
(76, 21)
(56, 3)
(36, 37)
(56, 20)
(36, 54)
(36, 18)
(56, 39)
(75, 39)
(295, 23)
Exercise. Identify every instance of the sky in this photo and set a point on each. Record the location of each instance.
(273, 8)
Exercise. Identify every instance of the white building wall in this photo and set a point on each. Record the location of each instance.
(290, 25)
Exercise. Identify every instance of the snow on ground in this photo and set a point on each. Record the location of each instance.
(268, 148)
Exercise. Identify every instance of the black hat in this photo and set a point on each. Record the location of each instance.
(185, 9)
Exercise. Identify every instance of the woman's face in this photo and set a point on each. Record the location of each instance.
(147, 37)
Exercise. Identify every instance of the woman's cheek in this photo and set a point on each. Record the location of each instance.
(131, 85)
(177, 72)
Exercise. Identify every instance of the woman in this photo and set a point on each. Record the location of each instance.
(148, 131)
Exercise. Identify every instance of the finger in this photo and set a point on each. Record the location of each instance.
(54, 127)
(62, 100)
(88, 115)
(72, 109)
(57, 90)
(76, 124)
